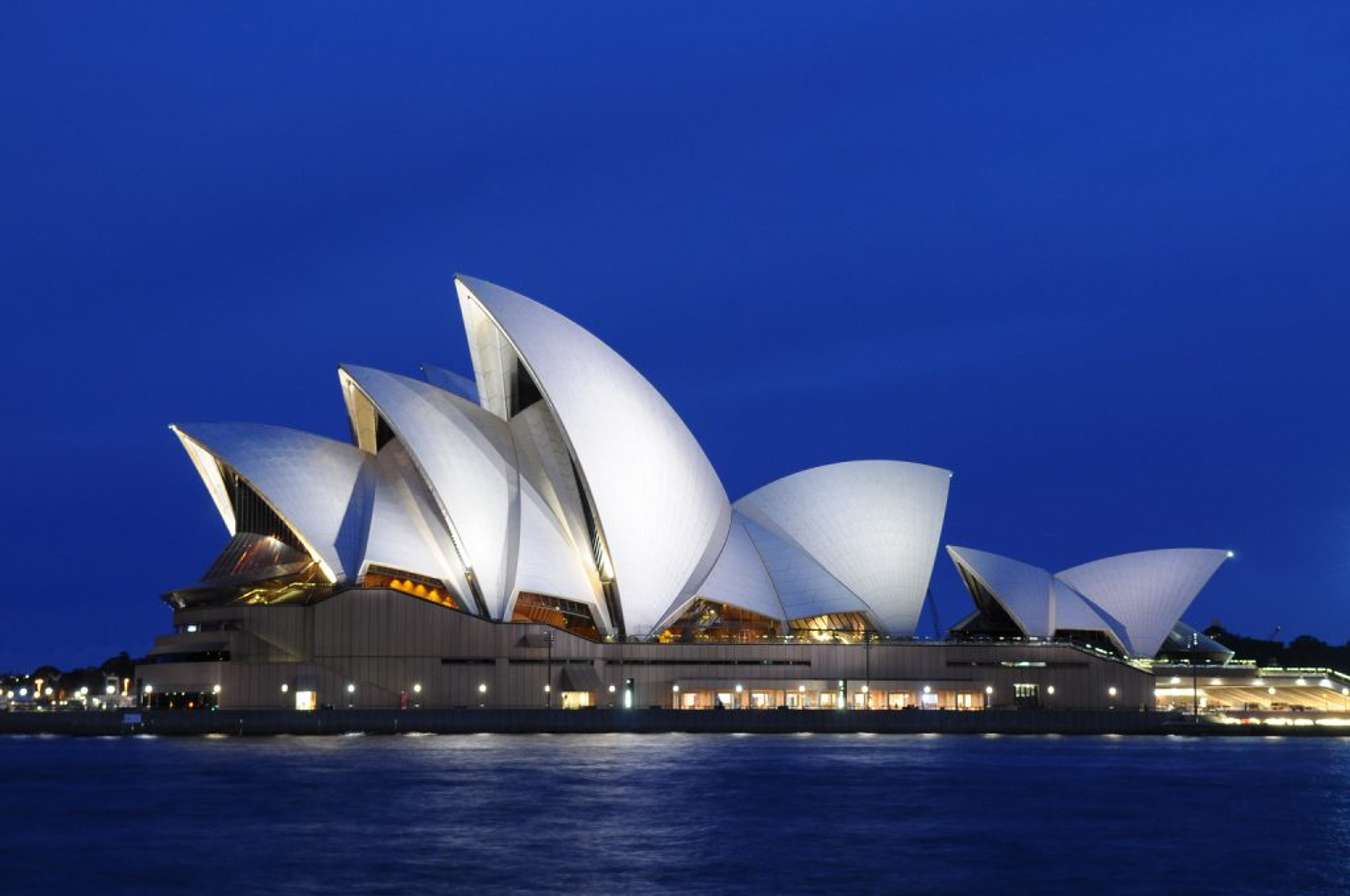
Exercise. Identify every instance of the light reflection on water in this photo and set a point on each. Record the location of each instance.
(630, 814)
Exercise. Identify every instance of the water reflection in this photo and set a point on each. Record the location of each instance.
(629, 813)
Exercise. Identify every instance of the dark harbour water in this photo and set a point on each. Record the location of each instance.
(674, 813)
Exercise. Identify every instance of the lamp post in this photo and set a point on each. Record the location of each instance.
(548, 685)
(1195, 682)
(867, 668)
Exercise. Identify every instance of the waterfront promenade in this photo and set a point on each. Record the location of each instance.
(638, 721)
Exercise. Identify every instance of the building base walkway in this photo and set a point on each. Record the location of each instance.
(636, 721)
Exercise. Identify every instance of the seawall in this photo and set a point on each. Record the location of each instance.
(638, 721)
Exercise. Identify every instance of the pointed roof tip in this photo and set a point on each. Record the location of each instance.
(857, 463)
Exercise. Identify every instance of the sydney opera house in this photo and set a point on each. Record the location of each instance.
(550, 533)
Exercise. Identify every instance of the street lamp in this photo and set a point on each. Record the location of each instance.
(482, 694)
(548, 690)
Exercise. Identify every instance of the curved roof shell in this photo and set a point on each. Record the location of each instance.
(1187, 639)
(312, 483)
(805, 588)
(873, 525)
(1072, 611)
(661, 511)
(467, 459)
(450, 381)
(739, 577)
(1133, 599)
(1021, 589)
(406, 531)
(548, 562)
(1146, 591)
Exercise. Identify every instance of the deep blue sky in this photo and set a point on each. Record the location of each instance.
(1091, 257)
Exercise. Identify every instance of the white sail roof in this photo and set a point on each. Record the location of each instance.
(467, 459)
(1133, 599)
(661, 511)
(312, 483)
(739, 577)
(406, 530)
(1071, 611)
(804, 587)
(450, 381)
(874, 525)
(1021, 589)
(1146, 591)
(547, 562)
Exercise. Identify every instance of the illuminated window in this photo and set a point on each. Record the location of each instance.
(409, 583)
(576, 699)
(847, 628)
(306, 701)
(568, 615)
(707, 620)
